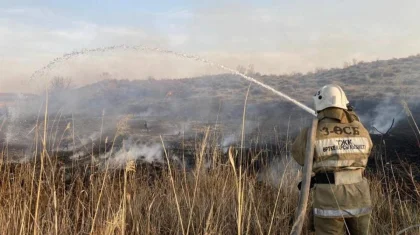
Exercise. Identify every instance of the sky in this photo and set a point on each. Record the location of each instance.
(276, 37)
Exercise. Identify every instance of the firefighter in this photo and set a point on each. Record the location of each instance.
(341, 196)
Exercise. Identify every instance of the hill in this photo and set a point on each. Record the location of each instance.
(375, 89)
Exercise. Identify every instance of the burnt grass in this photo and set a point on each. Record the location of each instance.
(268, 136)
(398, 149)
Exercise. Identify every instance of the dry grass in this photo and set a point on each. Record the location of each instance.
(205, 201)
(219, 200)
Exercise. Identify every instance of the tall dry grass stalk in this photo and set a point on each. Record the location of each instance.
(178, 207)
(43, 154)
(239, 180)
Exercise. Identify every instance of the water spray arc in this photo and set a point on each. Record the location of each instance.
(163, 51)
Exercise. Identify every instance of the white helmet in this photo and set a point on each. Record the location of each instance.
(330, 96)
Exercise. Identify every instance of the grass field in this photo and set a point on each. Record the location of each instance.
(41, 197)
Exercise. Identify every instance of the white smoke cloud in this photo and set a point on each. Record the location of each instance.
(280, 169)
(179, 128)
(227, 141)
(384, 113)
(89, 139)
(150, 153)
(16, 115)
(234, 137)
(78, 155)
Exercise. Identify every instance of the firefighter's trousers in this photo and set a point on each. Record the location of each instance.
(339, 226)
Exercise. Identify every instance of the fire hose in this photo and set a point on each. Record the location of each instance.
(306, 180)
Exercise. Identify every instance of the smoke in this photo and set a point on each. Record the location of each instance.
(89, 139)
(150, 153)
(384, 113)
(280, 170)
(233, 135)
(12, 116)
(78, 155)
(148, 112)
(16, 118)
(179, 128)
(228, 141)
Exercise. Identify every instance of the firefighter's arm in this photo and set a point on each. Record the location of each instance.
(299, 147)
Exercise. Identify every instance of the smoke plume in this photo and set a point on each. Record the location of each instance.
(383, 114)
(150, 153)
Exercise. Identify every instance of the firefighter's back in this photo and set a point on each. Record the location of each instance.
(341, 192)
